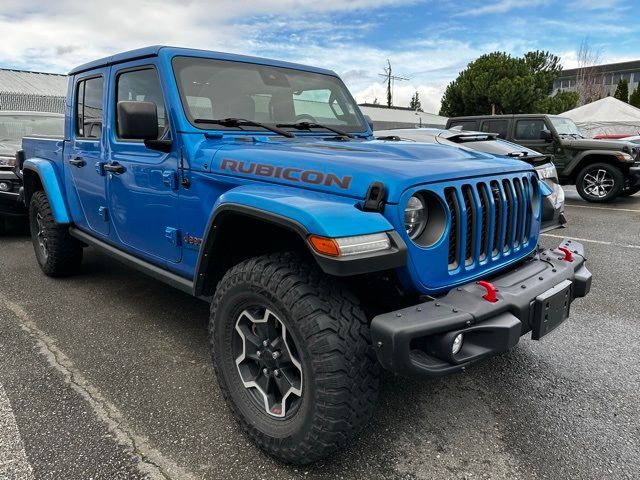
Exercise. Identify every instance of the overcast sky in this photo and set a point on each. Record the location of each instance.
(428, 41)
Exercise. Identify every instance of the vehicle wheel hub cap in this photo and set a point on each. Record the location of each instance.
(41, 236)
(267, 361)
(598, 183)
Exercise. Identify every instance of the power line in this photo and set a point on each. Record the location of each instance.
(390, 80)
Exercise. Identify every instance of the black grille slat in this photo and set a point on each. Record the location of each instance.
(454, 231)
(471, 212)
(506, 245)
(517, 187)
(528, 210)
(485, 220)
(498, 225)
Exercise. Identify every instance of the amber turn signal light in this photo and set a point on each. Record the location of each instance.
(325, 246)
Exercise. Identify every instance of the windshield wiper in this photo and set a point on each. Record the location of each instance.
(309, 125)
(241, 122)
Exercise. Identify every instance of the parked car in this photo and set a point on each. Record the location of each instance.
(553, 198)
(257, 185)
(633, 139)
(601, 170)
(14, 126)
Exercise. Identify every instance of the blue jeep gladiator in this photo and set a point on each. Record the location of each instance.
(258, 186)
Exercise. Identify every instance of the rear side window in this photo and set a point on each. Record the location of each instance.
(89, 108)
(495, 126)
(529, 129)
(142, 86)
(465, 124)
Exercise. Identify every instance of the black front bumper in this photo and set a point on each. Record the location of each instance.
(410, 341)
(11, 201)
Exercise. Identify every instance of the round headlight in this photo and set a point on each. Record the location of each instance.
(415, 216)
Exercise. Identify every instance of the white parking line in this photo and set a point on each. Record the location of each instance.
(602, 208)
(601, 242)
(13, 459)
(151, 461)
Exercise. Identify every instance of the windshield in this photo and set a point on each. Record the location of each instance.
(14, 127)
(220, 89)
(565, 126)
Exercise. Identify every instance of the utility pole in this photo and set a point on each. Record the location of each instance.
(390, 80)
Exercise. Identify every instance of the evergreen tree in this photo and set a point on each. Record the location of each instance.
(511, 84)
(415, 103)
(634, 99)
(622, 91)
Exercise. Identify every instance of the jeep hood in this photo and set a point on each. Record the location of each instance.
(593, 144)
(349, 168)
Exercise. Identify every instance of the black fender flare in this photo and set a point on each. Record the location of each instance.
(354, 265)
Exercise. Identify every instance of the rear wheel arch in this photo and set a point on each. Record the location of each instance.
(32, 183)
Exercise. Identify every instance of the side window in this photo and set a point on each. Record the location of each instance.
(495, 126)
(142, 86)
(89, 107)
(529, 129)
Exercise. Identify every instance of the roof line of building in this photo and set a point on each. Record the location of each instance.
(32, 71)
(604, 68)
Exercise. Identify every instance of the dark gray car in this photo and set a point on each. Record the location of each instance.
(553, 203)
(14, 126)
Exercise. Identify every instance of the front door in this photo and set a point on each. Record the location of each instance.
(143, 195)
(86, 153)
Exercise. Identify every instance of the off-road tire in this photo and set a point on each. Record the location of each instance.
(612, 172)
(63, 255)
(628, 192)
(331, 334)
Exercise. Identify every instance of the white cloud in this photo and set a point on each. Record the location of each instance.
(501, 6)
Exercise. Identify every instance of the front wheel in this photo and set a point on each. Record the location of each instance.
(599, 183)
(293, 357)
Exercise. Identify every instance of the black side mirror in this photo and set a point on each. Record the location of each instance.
(369, 121)
(139, 121)
(546, 135)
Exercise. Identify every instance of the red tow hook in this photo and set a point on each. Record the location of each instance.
(568, 256)
(490, 296)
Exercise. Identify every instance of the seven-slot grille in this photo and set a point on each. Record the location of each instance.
(489, 219)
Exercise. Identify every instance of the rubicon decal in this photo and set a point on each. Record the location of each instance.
(292, 174)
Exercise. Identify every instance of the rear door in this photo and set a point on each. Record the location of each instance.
(86, 154)
(143, 199)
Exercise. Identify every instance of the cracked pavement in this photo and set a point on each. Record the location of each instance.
(107, 376)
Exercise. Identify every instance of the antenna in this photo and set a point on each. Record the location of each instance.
(390, 80)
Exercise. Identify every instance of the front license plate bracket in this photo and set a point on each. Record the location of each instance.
(551, 308)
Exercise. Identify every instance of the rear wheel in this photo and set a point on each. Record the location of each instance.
(599, 183)
(57, 252)
(293, 357)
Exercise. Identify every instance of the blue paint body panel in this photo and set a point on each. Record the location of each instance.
(312, 180)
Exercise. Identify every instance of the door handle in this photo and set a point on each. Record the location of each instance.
(115, 168)
(77, 162)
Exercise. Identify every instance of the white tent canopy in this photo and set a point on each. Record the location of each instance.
(606, 116)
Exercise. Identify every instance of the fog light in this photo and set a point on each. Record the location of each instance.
(5, 186)
(457, 344)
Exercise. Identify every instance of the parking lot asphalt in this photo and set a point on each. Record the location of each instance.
(107, 375)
